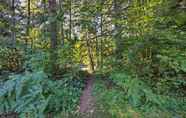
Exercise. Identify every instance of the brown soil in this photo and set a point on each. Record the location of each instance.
(86, 99)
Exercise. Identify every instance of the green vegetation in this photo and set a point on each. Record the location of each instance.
(36, 95)
(135, 51)
(134, 98)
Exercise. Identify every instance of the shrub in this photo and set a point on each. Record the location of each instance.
(36, 95)
(11, 59)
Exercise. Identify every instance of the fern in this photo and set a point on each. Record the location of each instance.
(139, 94)
(33, 93)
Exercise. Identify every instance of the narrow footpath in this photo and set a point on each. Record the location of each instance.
(86, 100)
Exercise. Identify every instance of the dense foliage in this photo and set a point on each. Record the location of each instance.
(137, 101)
(134, 49)
(36, 95)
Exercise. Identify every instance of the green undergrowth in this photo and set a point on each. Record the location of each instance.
(136, 99)
(34, 95)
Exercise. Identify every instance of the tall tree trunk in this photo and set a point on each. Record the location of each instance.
(53, 36)
(61, 23)
(101, 45)
(90, 55)
(62, 34)
(13, 33)
(44, 17)
(70, 23)
(53, 24)
(97, 42)
(28, 22)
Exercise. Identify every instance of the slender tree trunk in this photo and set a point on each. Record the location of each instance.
(13, 33)
(101, 47)
(97, 45)
(53, 24)
(62, 34)
(44, 17)
(89, 52)
(70, 23)
(61, 23)
(28, 22)
(53, 36)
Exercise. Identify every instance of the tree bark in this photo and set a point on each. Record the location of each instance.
(13, 33)
(101, 47)
(28, 22)
(61, 24)
(53, 36)
(53, 24)
(70, 21)
(89, 52)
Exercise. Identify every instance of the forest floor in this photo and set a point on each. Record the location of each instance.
(86, 99)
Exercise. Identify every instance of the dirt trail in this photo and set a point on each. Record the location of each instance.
(86, 99)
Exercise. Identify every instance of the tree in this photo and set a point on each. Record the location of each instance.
(53, 35)
(28, 22)
(13, 33)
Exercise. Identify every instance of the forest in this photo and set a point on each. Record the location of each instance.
(92, 58)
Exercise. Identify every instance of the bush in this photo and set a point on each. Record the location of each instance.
(139, 93)
(136, 99)
(36, 95)
(11, 59)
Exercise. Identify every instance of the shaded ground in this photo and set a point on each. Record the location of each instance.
(86, 99)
